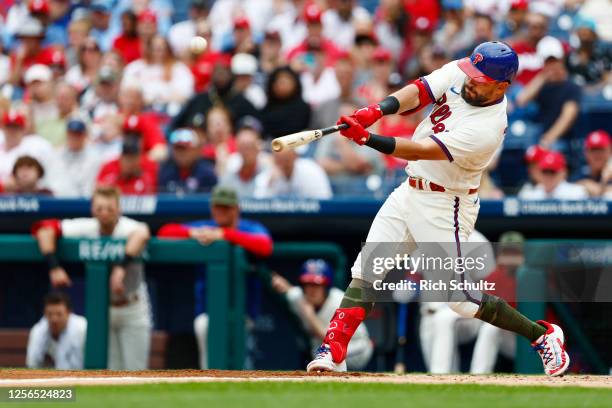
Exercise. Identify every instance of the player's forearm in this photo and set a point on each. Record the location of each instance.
(562, 124)
(46, 238)
(407, 149)
(137, 241)
(408, 97)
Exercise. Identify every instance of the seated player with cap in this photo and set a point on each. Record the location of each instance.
(315, 302)
(596, 176)
(532, 156)
(226, 224)
(186, 172)
(553, 181)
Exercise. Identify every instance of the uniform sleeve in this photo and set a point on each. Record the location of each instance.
(438, 82)
(470, 148)
(79, 228)
(127, 226)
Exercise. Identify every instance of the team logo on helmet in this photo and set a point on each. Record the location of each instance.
(477, 58)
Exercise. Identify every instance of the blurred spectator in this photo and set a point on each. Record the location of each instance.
(557, 97)
(328, 112)
(248, 161)
(484, 27)
(146, 26)
(220, 141)
(166, 83)
(244, 68)
(315, 302)
(530, 61)
(553, 181)
(101, 28)
(590, 61)
(55, 15)
(79, 162)
(595, 176)
(225, 225)
(286, 111)
(339, 21)
(241, 40)
(127, 43)
(532, 157)
(319, 81)
(184, 30)
(363, 56)
(219, 93)
(130, 322)
(342, 160)
(186, 172)
(270, 56)
(140, 123)
(133, 172)
(376, 89)
(57, 340)
(314, 37)
(84, 72)
(457, 33)
(50, 117)
(511, 26)
(30, 50)
(202, 61)
(17, 143)
(290, 23)
(78, 32)
(293, 176)
(5, 63)
(391, 24)
(26, 178)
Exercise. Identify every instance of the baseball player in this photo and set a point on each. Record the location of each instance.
(130, 318)
(438, 202)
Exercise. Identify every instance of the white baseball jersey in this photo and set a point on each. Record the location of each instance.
(90, 228)
(469, 135)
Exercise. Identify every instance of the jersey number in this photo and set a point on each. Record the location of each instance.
(439, 114)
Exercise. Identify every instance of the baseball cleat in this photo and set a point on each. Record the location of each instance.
(324, 361)
(551, 348)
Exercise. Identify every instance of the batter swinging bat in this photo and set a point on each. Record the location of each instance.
(301, 138)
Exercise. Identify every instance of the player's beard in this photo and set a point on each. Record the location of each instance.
(477, 100)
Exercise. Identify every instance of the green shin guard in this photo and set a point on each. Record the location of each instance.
(499, 313)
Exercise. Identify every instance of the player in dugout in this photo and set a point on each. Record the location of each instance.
(226, 224)
(130, 320)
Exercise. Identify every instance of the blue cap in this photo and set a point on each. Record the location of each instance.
(491, 61)
(582, 21)
(76, 125)
(186, 137)
(100, 5)
(316, 271)
(452, 4)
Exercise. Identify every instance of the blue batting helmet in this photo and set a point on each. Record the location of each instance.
(316, 271)
(491, 61)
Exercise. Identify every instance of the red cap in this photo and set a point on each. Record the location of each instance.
(422, 24)
(554, 161)
(312, 14)
(382, 54)
(13, 118)
(534, 153)
(519, 4)
(133, 124)
(241, 22)
(39, 7)
(599, 139)
(56, 57)
(148, 16)
(224, 60)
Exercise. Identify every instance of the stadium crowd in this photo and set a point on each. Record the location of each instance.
(138, 95)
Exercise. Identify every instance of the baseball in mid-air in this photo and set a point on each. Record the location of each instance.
(197, 45)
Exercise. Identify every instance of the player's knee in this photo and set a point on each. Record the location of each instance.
(464, 309)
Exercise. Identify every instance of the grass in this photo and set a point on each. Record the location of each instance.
(332, 395)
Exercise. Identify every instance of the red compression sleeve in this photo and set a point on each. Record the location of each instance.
(425, 96)
(258, 244)
(50, 223)
(173, 231)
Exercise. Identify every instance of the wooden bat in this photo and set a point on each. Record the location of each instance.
(301, 138)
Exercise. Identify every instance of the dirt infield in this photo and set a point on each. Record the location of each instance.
(17, 377)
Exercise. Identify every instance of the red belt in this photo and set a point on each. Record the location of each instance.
(420, 184)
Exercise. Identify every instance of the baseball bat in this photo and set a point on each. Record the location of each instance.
(301, 138)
